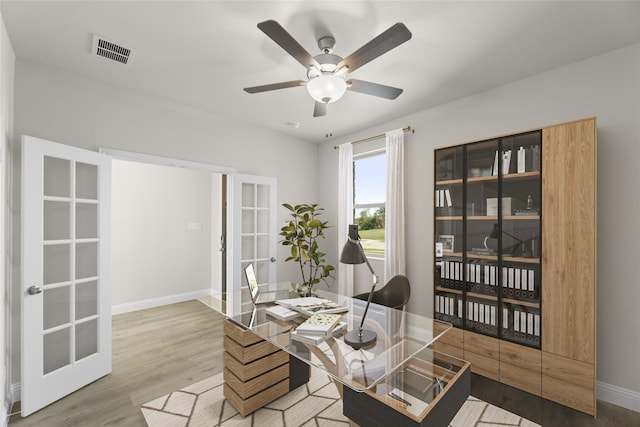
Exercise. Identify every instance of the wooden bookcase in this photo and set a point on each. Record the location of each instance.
(515, 264)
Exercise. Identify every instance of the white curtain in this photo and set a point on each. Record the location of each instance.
(394, 259)
(345, 214)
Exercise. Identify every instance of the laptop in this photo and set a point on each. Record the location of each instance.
(254, 290)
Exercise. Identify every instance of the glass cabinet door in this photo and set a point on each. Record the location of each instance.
(449, 232)
(481, 238)
(520, 240)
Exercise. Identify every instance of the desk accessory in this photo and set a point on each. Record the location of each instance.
(352, 253)
(319, 324)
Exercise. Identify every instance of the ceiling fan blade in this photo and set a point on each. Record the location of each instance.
(375, 89)
(275, 86)
(320, 109)
(383, 43)
(288, 43)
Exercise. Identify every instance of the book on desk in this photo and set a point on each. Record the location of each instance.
(317, 339)
(312, 305)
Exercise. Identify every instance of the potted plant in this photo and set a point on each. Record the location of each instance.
(301, 234)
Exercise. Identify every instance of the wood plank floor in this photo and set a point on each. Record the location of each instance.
(155, 351)
(162, 349)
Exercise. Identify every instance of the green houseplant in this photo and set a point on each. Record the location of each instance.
(301, 234)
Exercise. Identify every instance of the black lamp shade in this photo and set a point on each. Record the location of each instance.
(351, 253)
(494, 233)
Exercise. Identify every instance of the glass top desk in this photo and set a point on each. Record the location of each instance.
(400, 337)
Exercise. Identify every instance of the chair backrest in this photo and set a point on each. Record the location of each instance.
(395, 293)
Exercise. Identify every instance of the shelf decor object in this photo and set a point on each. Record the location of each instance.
(520, 285)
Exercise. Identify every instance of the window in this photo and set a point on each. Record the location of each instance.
(369, 182)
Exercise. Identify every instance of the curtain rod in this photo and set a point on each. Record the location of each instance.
(373, 138)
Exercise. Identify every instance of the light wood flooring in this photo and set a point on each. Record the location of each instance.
(155, 352)
(159, 350)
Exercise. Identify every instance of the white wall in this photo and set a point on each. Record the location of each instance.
(606, 86)
(67, 108)
(161, 233)
(7, 66)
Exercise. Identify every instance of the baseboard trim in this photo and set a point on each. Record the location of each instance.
(156, 302)
(15, 393)
(5, 416)
(618, 396)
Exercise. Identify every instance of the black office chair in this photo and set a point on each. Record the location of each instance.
(394, 294)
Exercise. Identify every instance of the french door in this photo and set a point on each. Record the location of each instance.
(254, 231)
(66, 295)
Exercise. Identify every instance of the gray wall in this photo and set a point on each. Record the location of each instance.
(161, 232)
(606, 86)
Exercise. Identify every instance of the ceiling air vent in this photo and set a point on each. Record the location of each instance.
(111, 50)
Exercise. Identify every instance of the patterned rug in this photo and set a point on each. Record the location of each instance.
(316, 404)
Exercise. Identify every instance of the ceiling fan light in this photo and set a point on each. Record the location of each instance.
(327, 88)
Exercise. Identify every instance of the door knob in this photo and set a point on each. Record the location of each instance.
(34, 290)
(273, 259)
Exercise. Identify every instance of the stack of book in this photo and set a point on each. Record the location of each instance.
(318, 328)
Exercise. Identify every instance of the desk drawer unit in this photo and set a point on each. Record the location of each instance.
(255, 371)
(433, 389)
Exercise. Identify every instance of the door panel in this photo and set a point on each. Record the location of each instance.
(66, 304)
(253, 222)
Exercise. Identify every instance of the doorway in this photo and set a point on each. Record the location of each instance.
(168, 222)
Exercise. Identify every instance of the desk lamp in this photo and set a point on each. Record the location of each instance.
(352, 253)
(495, 233)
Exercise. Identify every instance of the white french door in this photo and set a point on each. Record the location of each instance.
(66, 292)
(254, 231)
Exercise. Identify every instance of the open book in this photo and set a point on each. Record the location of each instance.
(312, 305)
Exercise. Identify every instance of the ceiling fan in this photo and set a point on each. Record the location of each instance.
(327, 73)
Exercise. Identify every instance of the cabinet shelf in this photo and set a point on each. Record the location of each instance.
(482, 179)
(449, 182)
(521, 217)
(449, 218)
(449, 290)
(519, 176)
(482, 296)
(482, 218)
(482, 256)
(521, 259)
(521, 302)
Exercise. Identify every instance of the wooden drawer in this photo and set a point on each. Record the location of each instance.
(482, 345)
(246, 354)
(251, 370)
(571, 395)
(240, 335)
(483, 365)
(521, 378)
(247, 406)
(453, 337)
(454, 351)
(246, 389)
(569, 370)
(521, 356)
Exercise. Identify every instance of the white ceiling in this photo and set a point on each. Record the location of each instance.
(203, 53)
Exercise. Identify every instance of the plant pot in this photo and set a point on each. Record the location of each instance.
(303, 290)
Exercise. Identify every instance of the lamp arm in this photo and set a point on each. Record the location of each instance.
(513, 237)
(373, 287)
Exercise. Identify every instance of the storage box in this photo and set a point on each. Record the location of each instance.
(509, 205)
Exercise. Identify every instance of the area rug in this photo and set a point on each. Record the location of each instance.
(316, 404)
